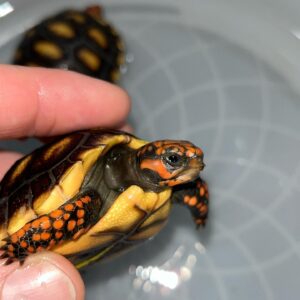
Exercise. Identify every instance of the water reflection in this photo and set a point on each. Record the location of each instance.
(5, 9)
(170, 275)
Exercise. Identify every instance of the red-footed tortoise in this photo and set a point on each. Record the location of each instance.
(82, 41)
(93, 193)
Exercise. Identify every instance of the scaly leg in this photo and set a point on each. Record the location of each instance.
(69, 221)
(194, 195)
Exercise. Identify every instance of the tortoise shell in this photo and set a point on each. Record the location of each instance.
(94, 193)
(81, 41)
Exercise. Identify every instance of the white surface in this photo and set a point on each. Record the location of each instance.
(188, 82)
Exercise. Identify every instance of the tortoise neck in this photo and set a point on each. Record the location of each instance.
(122, 170)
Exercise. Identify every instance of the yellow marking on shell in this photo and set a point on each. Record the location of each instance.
(71, 181)
(113, 140)
(115, 75)
(121, 216)
(76, 17)
(20, 218)
(89, 58)
(121, 59)
(61, 29)
(89, 157)
(56, 148)
(136, 143)
(49, 201)
(20, 167)
(98, 37)
(48, 49)
(3, 234)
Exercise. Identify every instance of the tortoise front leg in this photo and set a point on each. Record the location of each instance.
(69, 221)
(195, 197)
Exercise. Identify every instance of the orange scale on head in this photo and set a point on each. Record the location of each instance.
(189, 153)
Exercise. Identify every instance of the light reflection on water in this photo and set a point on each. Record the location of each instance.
(169, 275)
(5, 9)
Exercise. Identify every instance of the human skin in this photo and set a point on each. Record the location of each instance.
(40, 102)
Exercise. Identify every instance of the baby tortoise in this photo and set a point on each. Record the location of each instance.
(93, 193)
(81, 41)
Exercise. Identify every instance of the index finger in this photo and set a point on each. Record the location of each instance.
(41, 102)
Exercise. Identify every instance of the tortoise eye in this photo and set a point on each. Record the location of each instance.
(173, 159)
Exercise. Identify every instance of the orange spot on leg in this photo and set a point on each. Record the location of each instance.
(69, 207)
(45, 236)
(79, 203)
(80, 221)
(45, 222)
(202, 191)
(71, 225)
(58, 224)
(36, 237)
(80, 213)
(10, 248)
(67, 216)
(86, 199)
(14, 238)
(30, 249)
(192, 201)
(56, 213)
(58, 234)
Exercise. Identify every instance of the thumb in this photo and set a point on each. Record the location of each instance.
(43, 276)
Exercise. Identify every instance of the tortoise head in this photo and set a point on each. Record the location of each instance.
(169, 163)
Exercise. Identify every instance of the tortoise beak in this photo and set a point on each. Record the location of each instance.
(197, 163)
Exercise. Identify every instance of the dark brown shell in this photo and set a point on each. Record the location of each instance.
(74, 40)
(40, 171)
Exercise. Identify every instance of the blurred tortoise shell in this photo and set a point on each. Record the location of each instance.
(81, 41)
(93, 193)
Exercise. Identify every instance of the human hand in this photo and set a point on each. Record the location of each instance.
(40, 102)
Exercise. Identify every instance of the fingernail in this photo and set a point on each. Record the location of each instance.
(41, 280)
